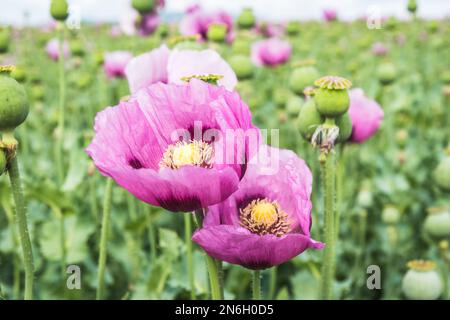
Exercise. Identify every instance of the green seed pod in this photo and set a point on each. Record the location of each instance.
(386, 73)
(38, 92)
(390, 215)
(401, 137)
(308, 120)
(293, 105)
(2, 162)
(59, 9)
(280, 96)
(302, 77)
(14, 106)
(421, 281)
(344, 123)
(18, 74)
(241, 46)
(331, 103)
(242, 66)
(365, 197)
(84, 80)
(98, 58)
(217, 32)
(437, 223)
(412, 6)
(5, 39)
(442, 173)
(163, 30)
(246, 19)
(143, 6)
(293, 28)
(77, 48)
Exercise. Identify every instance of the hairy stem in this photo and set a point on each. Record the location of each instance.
(104, 239)
(21, 219)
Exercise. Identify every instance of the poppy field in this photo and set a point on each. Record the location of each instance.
(219, 156)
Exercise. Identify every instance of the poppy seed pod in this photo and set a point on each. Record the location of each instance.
(4, 40)
(2, 162)
(390, 215)
(386, 73)
(59, 9)
(332, 97)
(18, 74)
(442, 173)
(143, 6)
(246, 19)
(302, 77)
(309, 119)
(412, 6)
(217, 32)
(242, 66)
(14, 106)
(76, 48)
(421, 281)
(437, 223)
(293, 28)
(294, 105)
(344, 123)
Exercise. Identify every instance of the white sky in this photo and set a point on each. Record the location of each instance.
(12, 11)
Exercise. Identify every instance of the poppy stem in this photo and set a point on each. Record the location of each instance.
(189, 251)
(212, 265)
(104, 239)
(62, 102)
(256, 285)
(21, 219)
(328, 165)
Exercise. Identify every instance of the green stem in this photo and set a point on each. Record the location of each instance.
(329, 180)
(21, 218)
(190, 261)
(214, 280)
(151, 234)
(212, 265)
(104, 239)
(256, 287)
(273, 282)
(62, 243)
(62, 102)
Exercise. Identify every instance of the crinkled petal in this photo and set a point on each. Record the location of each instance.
(147, 68)
(185, 63)
(239, 246)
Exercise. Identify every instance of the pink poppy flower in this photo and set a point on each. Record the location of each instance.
(52, 49)
(267, 221)
(366, 115)
(270, 30)
(271, 52)
(329, 14)
(379, 49)
(169, 66)
(197, 22)
(115, 62)
(137, 143)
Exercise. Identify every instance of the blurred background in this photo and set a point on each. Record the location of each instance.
(21, 12)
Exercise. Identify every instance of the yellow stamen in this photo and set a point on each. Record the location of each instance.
(264, 213)
(194, 153)
(421, 265)
(262, 216)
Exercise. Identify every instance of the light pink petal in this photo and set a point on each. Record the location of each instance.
(147, 68)
(184, 63)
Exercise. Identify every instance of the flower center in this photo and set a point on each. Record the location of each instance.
(262, 216)
(193, 153)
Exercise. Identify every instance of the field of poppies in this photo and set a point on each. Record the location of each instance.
(225, 157)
